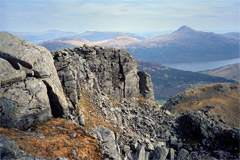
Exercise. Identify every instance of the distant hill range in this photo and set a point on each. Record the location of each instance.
(114, 39)
(230, 72)
(185, 45)
(217, 101)
(94, 36)
(37, 37)
(168, 82)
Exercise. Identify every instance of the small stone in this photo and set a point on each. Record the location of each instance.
(161, 153)
(61, 158)
(160, 144)
(172, 154)
(140, 155)
(74, 135)
(33, 134)
(150, 147)
(168, 113)
(182, 154)
(75, 153)
(152, 140)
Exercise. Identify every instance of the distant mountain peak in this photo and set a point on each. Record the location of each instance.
(184, 28)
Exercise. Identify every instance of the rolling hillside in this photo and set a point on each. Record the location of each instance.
(220, 100)
(230, 72)
(94, 36)
(168, 81)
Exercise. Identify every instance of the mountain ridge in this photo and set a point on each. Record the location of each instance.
(185, 45)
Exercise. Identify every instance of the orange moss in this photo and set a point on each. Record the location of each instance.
(62, 137)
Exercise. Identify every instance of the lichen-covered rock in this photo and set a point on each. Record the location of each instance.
(30, 88)
(106, 138)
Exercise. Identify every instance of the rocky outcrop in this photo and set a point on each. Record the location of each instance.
(112, 71)
(30, 88)
(100, 70)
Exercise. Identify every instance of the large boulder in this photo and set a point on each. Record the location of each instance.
(30, 88)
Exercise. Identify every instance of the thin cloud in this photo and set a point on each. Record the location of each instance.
(131, 15)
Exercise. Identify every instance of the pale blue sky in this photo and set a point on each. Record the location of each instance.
(118, 15)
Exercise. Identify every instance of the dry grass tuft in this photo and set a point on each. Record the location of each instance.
(62, 139)
(141, 99)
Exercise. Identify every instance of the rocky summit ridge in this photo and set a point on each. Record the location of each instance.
(102, 91)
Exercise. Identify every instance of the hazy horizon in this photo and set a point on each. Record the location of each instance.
(136, 16)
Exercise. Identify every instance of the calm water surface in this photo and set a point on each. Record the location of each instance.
(201, 66)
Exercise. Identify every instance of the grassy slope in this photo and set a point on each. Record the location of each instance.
(225, 97)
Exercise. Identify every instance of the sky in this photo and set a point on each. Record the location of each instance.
(119, 15)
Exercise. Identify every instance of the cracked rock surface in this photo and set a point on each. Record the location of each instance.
(30, 87)
(113, 71)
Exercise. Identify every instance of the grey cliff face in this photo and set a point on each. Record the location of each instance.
(30, 88)
(110, 70)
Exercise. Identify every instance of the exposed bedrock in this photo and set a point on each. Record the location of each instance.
(30, 88)
(110, 70)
